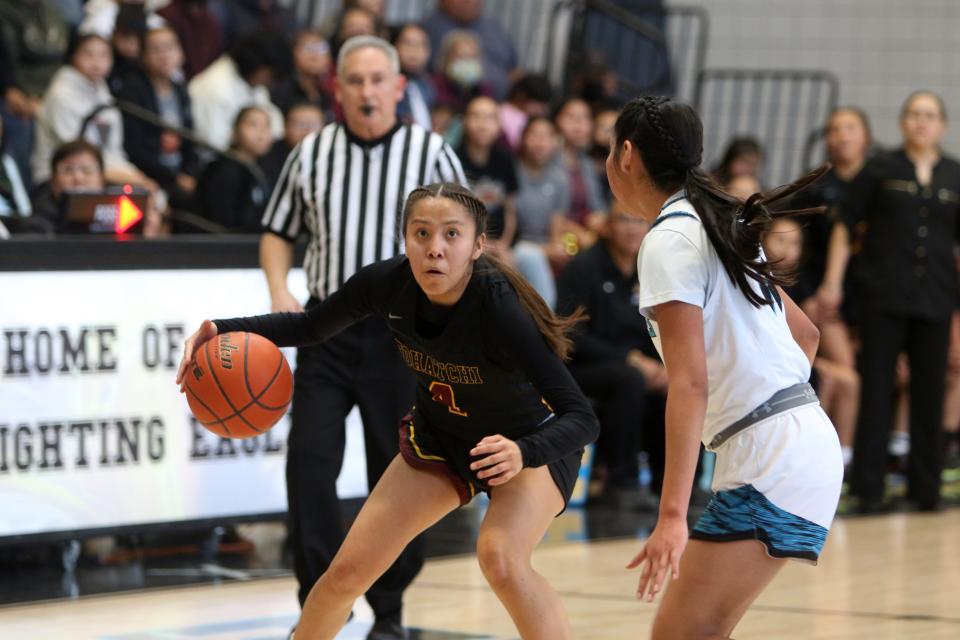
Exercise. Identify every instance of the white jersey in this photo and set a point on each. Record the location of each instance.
(751, 353)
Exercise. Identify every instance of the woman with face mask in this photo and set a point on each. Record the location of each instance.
(460, 73)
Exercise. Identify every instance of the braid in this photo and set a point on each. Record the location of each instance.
(651, 107)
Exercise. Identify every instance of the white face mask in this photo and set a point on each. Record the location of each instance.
(465, 71)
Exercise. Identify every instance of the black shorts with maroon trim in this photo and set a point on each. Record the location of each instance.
(424, 449)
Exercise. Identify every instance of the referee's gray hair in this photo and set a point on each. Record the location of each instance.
(362, 42)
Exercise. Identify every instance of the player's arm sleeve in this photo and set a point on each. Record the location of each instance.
(284, 213)
(354, 301)
(672, 269)
(575, 425)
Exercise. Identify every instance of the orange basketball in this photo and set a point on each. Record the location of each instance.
(240, 385)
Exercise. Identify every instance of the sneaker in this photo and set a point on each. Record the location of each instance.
(387, 628)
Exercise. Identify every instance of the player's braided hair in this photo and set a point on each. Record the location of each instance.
(554, 328)
(669, 137)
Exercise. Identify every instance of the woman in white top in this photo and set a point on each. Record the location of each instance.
(738, 353)
(77, 90)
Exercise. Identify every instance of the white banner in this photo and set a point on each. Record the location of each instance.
(94, 432)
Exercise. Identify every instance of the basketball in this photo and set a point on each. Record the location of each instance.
(240, 385)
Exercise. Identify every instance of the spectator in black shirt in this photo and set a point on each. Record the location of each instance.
(909, 200)
(821, 285)
(614, 361)
(413, 47)
(491, 172)
(301, 120)
(496, 410)
(311, 81)
(231, 193)
(161, 154)
(74, 167)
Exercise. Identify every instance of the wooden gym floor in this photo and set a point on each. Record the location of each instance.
(893, 576)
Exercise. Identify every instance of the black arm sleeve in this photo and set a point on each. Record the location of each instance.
(575, 425)
(351, 303)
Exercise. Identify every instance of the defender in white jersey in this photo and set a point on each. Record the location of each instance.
(738, 353)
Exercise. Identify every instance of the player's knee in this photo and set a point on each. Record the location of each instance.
(671, 624)
(499, 561)
(344, 578)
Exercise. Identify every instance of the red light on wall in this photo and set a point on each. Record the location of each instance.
(127, 189)
(128, 214)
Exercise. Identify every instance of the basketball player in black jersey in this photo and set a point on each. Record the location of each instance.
(496, 409)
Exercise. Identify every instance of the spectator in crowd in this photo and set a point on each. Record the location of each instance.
(14, 201)
(587, 206)
(542, 204)
(743, 186)
(910, 200)
(491, 172)
(413, 47)
(100, 16)
(836, 378)
(302, 119)
(239, 78)
(163, 155)
(603, 120)
(744, 156)
(311, 81)
(27, 64)
(231, 191)
(614, 360)
(78, 91)
(243, 17)
(499, 52)
(75, 166)
(530, 97)
(460, 73)
(126, 39)
(199, 32)
(354, 20)
(820, 288)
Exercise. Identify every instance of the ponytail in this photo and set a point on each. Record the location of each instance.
(736, 228)
(554, 328)
(669, 138)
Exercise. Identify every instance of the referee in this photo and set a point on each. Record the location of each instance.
(345, 185)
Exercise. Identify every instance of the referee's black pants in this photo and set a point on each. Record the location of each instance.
(361, 367)
(884, 336)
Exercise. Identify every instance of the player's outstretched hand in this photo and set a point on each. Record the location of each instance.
(206, 331)
(659, 556)
(499, 460)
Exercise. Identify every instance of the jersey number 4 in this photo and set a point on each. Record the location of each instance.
(443, 393)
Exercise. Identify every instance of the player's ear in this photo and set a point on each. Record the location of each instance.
(626, 158)
(479, 245)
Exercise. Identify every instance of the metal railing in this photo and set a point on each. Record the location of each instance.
(782, 109)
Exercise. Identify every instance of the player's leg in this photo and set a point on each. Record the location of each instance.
(519, 513)
(404, 503)
(718, 582)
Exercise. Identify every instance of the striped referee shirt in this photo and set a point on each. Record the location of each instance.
(348, 193)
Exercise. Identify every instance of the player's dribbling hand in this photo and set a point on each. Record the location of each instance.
(659, 556)
(206, 331)
(500, 460)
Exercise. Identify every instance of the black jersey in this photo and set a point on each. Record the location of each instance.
(482, 366)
